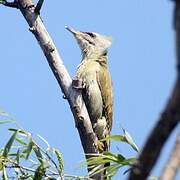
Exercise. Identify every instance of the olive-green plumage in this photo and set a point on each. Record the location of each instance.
(94, 73)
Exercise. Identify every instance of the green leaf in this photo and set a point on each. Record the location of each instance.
(120, 158)
(21, 141)
(112, 170)
(113, 157)
(3, 113)
(1, 162)
(60, 161)
(6, 121)
(38, 153)
(97, 169)
(20, 131)
(4, 176)
(39, 173)
(9, 144)
(18, 156)
(129, 161)
(106, 157)
(98, 160)
(29, 149)
(130, 140)
(117, 138)
(126, 137)
(26, 176)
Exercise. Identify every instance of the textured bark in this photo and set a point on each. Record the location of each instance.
(166, 124)
(173, 162)
(74, 97)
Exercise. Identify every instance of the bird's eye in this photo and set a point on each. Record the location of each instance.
(91, 34)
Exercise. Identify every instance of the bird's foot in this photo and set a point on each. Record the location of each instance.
(78, 84)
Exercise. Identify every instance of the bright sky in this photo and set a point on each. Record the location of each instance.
(141, 60)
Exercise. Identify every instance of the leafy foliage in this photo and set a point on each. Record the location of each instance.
(30, 161)
(27, 158)
(116, 160)
(60, 161)
(126, 137)
(23, 158)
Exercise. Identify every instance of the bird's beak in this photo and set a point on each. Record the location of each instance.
(74, 32)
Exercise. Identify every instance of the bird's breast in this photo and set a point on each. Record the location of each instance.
(91, 93)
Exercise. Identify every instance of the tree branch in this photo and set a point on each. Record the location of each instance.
(74, 97)
(173, 163)
(38, 6)
(166, 124)
(9, 4)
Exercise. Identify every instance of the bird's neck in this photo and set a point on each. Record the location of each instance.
(101, 60)
(97, 57)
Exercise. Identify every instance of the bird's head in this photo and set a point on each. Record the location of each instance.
(91, 43)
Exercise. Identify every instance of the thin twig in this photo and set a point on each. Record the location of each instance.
(10, 4)
(38, 6)
(16, 165)
(49, 157)
(76, 177)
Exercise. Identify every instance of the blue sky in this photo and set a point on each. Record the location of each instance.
(141, 61)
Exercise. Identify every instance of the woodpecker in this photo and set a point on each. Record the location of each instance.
(97, 85)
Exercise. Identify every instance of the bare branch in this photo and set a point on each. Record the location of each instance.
(10, 4)
(166, 124)
(173, 163)
(38, 6)
(74, 97)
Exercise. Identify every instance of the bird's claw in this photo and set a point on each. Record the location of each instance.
(78, 84)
